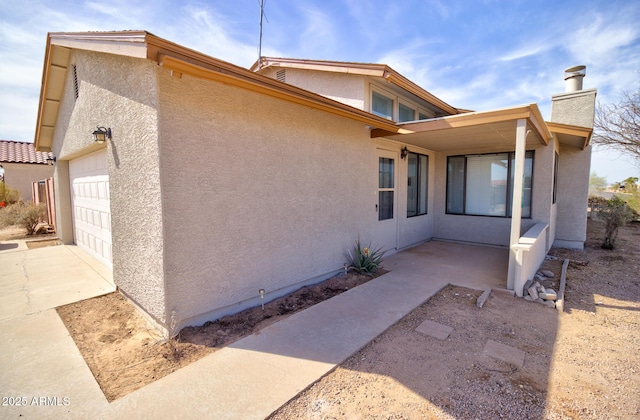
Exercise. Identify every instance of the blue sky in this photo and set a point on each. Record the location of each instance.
(478, 55)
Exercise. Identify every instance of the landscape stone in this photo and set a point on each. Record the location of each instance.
(483, 298)
(543, 295)
(529, 298)
(540, 301)
(540, 277)
(434, 329)
(533, 292)
(548, 273)
(550, 303)
(505, 353)
(527, 285)
(551, 294)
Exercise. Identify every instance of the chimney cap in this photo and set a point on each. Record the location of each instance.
(575, 71)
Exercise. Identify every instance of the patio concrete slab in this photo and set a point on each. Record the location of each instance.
(434, 329)
(38, 279)
(505, 353)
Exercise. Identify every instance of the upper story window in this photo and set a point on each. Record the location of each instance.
(396, 108)
(382, 105)
(406, 113)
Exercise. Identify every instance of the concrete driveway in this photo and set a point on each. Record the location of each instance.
(34, 280)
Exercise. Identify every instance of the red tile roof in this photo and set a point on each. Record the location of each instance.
(21, 152)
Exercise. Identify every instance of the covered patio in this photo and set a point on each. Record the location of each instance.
(473, 266)
(517, 129)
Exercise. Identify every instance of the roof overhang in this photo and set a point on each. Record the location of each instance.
(571, 135)
(364, 69)
(178, 59)
(481, 131)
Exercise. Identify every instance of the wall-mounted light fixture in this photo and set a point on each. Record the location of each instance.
(404, 152)
(51, 160)
(101, 134)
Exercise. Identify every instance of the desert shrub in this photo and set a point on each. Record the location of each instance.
(365, 260)
(615, 213)
(10, 215)
(8, 195)
(27, 216)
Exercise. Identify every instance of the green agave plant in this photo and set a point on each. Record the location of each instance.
(365, 260)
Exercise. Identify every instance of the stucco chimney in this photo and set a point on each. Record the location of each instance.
(573, 78)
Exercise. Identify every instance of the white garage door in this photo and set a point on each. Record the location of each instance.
(89, 180)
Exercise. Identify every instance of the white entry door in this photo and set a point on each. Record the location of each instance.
(89, 179)
(386, 232)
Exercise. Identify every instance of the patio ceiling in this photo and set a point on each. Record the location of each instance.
(491, 130)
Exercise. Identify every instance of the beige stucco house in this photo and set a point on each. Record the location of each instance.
(22, 165)
(218, 181)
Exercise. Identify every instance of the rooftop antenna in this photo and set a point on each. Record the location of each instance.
(260, 43)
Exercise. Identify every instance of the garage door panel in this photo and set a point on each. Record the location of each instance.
(91, 208)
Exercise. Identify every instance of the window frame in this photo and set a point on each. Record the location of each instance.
(509, 186)
(556, 160)
(419, 186)
(397, 100)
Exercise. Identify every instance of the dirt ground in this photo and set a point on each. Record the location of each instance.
(580, 364)
(124, 353)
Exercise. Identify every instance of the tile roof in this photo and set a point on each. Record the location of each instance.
(21, 152)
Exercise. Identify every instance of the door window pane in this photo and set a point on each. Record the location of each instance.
(385, 173)
(381, 105)
(385, 205)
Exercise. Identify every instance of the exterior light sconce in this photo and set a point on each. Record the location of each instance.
(51, 160)
(101, 134)
(404, 152)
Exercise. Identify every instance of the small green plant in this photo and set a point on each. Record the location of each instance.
(365, 260)
(615, 214)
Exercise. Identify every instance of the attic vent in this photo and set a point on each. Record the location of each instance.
(281, 76)
(75, 81)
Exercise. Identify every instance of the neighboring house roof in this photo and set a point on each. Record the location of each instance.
(364, 69)
(21, 152)
(180, 60)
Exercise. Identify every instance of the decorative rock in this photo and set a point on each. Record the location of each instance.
(540, 277)
(550, 303)
(540, 288)
(533, 292)
(550, 257)
(529, 298)
(527, 285)
(551, 294)
(547, 273)
(540, 301)
(483, 298)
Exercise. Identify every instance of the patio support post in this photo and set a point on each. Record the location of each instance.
(516, 204)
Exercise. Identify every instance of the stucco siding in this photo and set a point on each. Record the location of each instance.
(573, 193)
(119, 93)
(20, 176)
(258, 193)
(348, 89)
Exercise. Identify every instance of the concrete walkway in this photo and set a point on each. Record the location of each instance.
(256, 375)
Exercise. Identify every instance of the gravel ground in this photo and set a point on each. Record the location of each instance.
(580, 364)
